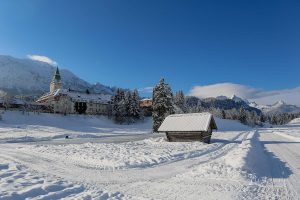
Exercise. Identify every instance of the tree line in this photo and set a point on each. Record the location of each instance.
(126, 106)
(165, 103)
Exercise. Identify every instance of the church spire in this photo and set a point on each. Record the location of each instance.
(56, 76)
(56, 82)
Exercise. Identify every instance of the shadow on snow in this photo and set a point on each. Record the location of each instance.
(264, 163)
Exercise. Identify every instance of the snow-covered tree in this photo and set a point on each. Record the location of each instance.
(7, 100)
(223, 114)
(162, 103)
(179, 101)
(119, 106)
(242, 116)
(65, 104)
(135, 110)
(128, 103)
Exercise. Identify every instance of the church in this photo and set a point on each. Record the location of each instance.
(67, 101)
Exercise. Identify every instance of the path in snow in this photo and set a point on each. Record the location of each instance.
(283, 157)
(254, 164)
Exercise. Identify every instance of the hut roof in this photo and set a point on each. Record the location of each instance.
(191, 122)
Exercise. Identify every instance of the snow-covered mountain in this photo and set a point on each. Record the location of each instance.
(239, 99)
(278, 107)
(221, 97)
(224, 102)
(25, 76)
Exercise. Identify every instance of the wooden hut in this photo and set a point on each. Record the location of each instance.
(189, 127)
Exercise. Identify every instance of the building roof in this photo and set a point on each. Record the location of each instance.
(13, 100)
(56, 76)
(191, 122)
(146, 99)
(84, 97)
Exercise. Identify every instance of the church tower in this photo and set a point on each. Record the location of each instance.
(56, 82)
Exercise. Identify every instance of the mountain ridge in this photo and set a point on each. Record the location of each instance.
(30, 77)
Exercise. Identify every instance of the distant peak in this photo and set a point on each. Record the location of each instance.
(239, 99)
(221, 97)
(279, 103)
(236, 98)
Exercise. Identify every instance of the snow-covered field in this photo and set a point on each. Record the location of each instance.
(16, 126)
(100, 162)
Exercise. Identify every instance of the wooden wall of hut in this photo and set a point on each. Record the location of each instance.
(189, 136)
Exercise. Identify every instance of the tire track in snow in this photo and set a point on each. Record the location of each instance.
(168, 169)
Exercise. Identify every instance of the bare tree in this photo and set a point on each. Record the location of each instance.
(65, 105)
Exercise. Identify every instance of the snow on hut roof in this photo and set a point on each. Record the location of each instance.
(81, 96)
(188, 122)
(146, 99)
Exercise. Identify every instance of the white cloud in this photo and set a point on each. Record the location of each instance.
(146, 90)
(42, 59)
(260, 96)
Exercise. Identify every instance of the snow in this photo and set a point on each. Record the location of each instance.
(186, 122)
(221, 97)
(25, 76)
(240, 163)
(238, 99)
(33, 126)
(278, 107)
(82, 96)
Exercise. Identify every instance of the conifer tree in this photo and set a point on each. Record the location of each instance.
(135, 110)
(242, 115)
(223, 114)
(128, 103)
(179, 100)
(162, 103)
(119, 106)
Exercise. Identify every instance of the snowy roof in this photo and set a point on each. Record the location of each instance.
(81, 96)
(12, 101)
(146, 99)
(188, 122)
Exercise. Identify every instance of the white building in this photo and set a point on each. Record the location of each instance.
(69, 101)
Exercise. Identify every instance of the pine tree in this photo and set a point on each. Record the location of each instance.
(262, 118)
(274, 119)
(162, 103)
(119, 106)
(135, 110)
(242, 116)
(128, 104)
(223, 114)
(179, 100)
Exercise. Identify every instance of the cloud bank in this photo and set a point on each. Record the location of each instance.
(42, 59)
(291, 96)
(146, 90)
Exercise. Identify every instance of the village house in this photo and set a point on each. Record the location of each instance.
(69, 101)
(189, 127)
(146, 103)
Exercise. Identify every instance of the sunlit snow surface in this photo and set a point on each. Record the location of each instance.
(107, 161)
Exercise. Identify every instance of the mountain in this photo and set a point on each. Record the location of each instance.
(239, 99)
(221, 97)
(278, 107)
(220, 103)
(29, 77)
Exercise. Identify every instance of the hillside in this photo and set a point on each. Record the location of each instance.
(25, 76)
(220, 103)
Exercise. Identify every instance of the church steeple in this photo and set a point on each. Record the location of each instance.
(56, 76)
(56, 81)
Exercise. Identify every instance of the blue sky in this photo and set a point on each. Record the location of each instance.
(132, 44)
